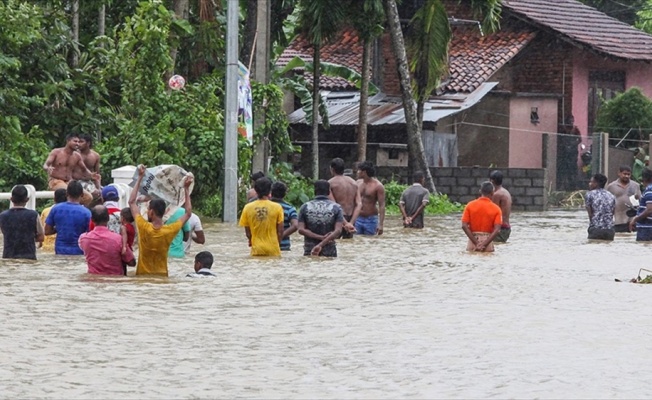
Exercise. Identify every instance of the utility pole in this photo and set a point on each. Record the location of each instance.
(261, 74)
(230, 198)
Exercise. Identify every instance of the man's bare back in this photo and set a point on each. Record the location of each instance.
(345, 193)
(503, 199)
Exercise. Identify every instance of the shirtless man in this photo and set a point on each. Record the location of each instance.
(372, 192)
(61, 163)
(344, 191)
(502, 199)
(92, 161)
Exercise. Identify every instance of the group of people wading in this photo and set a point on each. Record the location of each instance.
(343, 206)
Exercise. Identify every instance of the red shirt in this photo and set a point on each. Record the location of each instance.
(103, 251)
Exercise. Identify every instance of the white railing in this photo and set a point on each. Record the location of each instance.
(124, 191)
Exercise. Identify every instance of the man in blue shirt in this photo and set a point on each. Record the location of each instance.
(68, 220)
(290, 218)
(600, 205)
(320, 222)
(642, 223)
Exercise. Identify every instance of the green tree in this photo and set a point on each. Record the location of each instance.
(628, 115)
(319, 20)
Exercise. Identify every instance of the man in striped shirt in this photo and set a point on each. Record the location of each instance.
(642, 223)
(290, 217)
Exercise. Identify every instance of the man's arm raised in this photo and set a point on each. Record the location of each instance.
(134, 193)
(187, 205)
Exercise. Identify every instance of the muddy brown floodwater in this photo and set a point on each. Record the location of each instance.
(407, 314)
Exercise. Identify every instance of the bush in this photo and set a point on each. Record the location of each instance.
(438, 204)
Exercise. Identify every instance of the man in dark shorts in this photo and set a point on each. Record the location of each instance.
(344, 191)
(320, 222)
(503, 199)
(413, 201)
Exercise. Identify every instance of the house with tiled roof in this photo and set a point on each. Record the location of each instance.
(507, 94)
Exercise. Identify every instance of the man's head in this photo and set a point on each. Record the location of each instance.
(60, 196)
(85, 141)
(278, 190)
(487, 189)
(418, 177)
(110, 193)
(337, 166)
(496, 177)
(322, 188)
(262, 187)
(19, 195)
(74, 190)
(624, 174)
(256, 175)
(100, 215)
(156, 209)
(597, 181)
(366, 168)
(203, 259)
(72, 141)
(646, 176)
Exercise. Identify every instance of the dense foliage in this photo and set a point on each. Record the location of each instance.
(438, 204)
(628, 114)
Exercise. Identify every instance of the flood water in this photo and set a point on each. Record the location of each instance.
(409, 314)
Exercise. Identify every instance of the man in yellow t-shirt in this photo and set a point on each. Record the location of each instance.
(59, 197)
(263, 221)
(154, 238)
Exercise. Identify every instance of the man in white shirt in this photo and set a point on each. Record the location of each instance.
(196, 233)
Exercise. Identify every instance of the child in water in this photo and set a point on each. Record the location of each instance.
(127, 230)
(203, 264)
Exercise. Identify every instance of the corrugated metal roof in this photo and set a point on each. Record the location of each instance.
(344, 107)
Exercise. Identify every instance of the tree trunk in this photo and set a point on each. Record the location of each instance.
(249, 34)
(315, 112)
(75, 31)
(101, 21)
(181, 12)
(364, 100)
(417, 154)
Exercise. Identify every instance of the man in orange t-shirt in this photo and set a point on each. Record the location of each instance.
(481, 220)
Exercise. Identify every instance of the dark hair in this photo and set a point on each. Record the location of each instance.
(158, 206)
(19, 194)
(262, 186)
(322, 188)
(60, 195)
(337, 164)
(486, 188)
(600, 179)
(368, 167)
(74, 190)
(623, 168)
(257, 175)
(496, 177)
(279, 189)
(205, 258)
(418, 176)
(126, 214)
(87, 138)
(99, 214)
(646, 175)
(71, 136)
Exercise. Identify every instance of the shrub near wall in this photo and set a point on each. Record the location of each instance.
(462, 184)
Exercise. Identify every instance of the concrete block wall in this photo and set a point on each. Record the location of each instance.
(462, 184)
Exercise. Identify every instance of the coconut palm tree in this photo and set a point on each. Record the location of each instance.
(430, 21)
(368, 18)
(319, 21)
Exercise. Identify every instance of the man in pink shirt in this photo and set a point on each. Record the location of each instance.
(103, 248)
